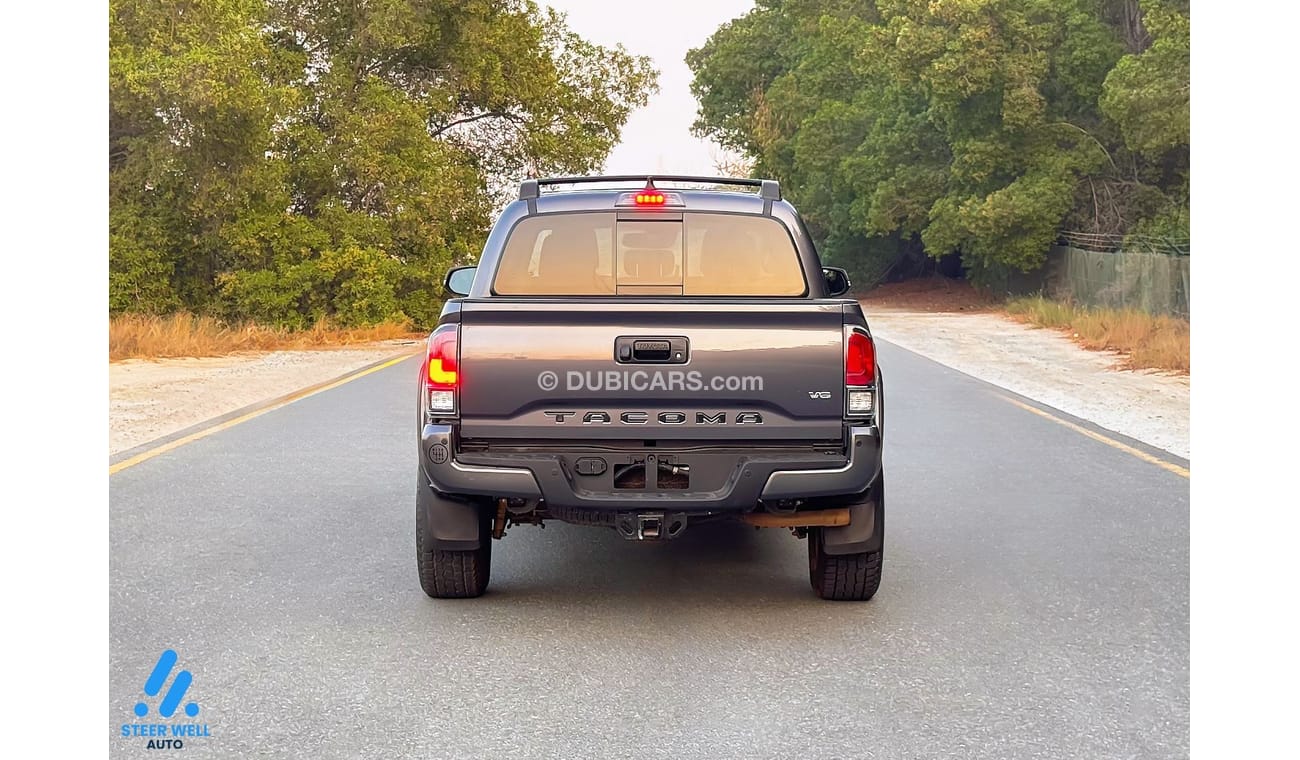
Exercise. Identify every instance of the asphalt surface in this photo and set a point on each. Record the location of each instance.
(1034, 603)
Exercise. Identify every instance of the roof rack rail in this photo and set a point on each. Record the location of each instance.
(768, 189)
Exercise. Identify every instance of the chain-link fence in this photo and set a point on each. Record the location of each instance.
(1154, 278)
(1132, 243)
(1156, 283)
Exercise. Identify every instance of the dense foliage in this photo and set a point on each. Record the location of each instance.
(293, 160)
(979, 127)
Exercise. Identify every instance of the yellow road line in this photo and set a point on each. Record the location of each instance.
(1145, 457)
(302, 394)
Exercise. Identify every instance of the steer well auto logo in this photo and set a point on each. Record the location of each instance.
(173, 733)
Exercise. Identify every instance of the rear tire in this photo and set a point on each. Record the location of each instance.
(452, 574)
(842, 577)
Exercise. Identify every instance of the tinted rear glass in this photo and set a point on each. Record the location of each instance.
(594, 254)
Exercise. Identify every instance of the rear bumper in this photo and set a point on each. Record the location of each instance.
(752, 477)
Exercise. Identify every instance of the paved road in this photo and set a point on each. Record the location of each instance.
(1034, 604)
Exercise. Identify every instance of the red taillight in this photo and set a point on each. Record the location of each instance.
(860, 360)
(650, 197)
(442, 374)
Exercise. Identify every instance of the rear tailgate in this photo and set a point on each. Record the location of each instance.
(754, 370)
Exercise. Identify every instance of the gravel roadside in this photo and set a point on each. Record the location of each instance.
(151, 399)
(1046, 366)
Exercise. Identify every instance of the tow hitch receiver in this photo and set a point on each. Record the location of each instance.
(651, 526)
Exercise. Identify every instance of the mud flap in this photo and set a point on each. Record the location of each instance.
(866, 529)
(449, 524)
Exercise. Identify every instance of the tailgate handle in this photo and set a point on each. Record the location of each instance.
(652, 350)
(632, 350)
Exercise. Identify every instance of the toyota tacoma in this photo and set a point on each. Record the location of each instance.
(647, 354)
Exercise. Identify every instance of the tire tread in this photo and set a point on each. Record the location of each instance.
(453, 574)
(848, 577)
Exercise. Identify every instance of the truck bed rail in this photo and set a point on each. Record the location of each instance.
(768, 189)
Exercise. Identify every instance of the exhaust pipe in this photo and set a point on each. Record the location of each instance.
(821, 518)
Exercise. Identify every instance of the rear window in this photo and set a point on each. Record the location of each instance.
(595, 254)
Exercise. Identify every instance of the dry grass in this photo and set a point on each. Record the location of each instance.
(134, 336)
(1148, 342)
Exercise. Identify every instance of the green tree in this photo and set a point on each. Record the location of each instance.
(292, 160)
(978, 126)
(192, 102)
(1147, 96)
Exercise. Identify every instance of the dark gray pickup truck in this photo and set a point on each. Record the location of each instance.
(647, 354)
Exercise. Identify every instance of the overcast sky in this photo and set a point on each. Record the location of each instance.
(657, 138)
